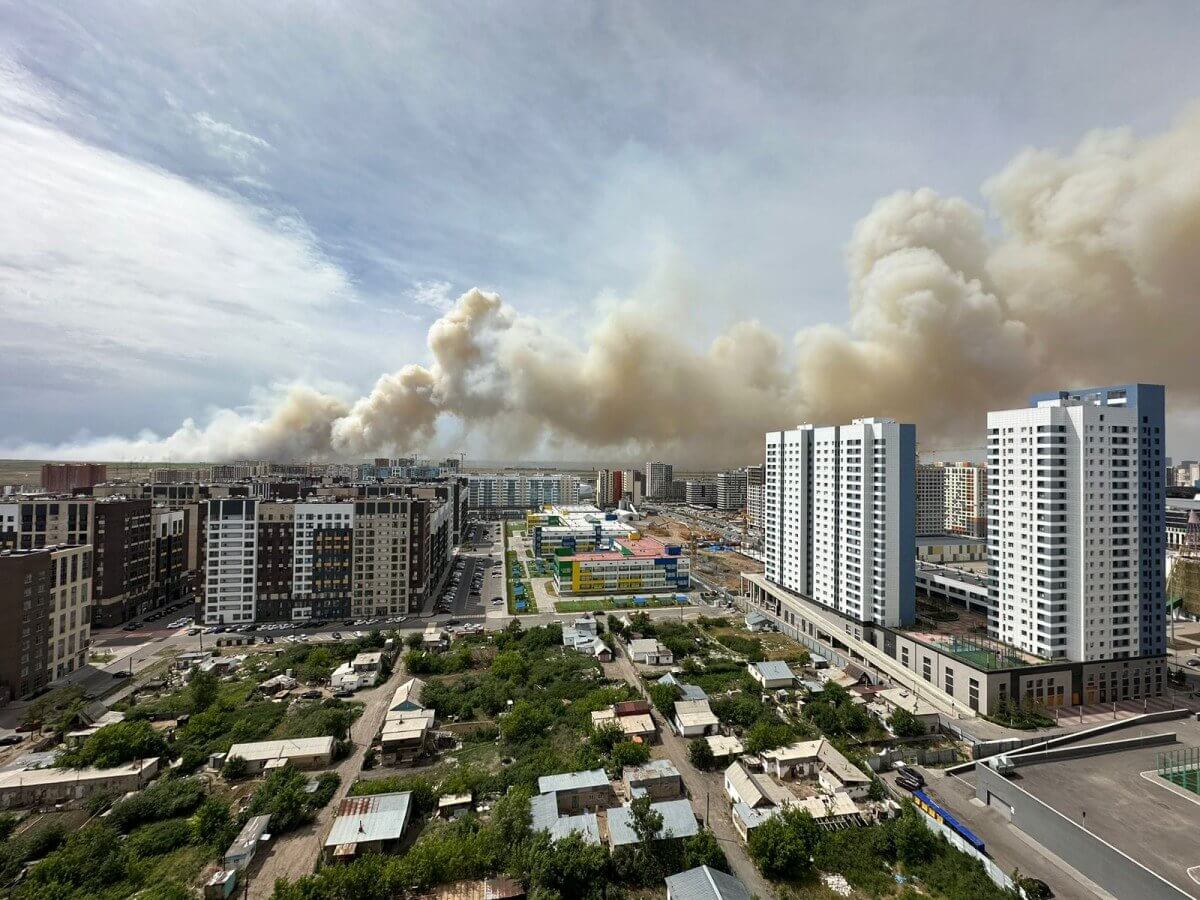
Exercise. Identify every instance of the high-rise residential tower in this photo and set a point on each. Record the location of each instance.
(838, 517)
(1076, 525)
(659, 476)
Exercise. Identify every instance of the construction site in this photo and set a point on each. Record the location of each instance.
(713, 558)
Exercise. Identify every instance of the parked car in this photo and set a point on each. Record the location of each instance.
(337, 635)
(121, 673)
(9, 739)
(311, 695)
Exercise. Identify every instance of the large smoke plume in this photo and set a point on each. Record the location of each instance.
(1090, 277)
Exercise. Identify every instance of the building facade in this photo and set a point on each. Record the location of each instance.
(931, 499)
(230, 564)
(659, 476)
(1076, 524)
(123, 567)
(839, 517)
(634, 564)
(731, 490)
(700, 493)
(519, 491)
(62, 478)
(45, 616)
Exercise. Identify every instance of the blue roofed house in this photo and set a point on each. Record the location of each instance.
(686, 691)
(678, 821)
(568, 802)
(772, 674)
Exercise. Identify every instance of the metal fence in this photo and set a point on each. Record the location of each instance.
(1182, 767)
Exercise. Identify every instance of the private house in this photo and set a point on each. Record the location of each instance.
(678, 821)
(705, 883)
(303, 753)
(695, 718)
(371, 824)
(772, 674)
(657, 779)
(649, 652)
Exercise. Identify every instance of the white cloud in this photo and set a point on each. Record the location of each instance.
(239, 148)
(434, 294)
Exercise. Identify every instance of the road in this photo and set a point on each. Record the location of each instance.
(705, 789)
(295, 854)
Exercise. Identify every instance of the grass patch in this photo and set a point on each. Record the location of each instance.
(596, 604)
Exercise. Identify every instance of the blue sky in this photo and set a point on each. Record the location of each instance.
(208, 201)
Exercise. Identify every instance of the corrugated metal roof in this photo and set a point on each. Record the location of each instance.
(705, 883)
(378, 817)
(773, 669)
(586, 826)
(263, 750)
(567, 781)
(656, 768)
(247, 838)
(678, 821)
(543, 811)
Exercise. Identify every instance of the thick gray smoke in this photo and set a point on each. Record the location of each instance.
(1091, 279)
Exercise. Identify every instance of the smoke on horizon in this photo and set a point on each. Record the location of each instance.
(1090, 280)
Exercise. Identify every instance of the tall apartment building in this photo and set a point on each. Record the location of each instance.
(731, 490)
(839, 515)
(45, 616)
(610, 486)
(633, 486)
(952, 499)
(754, 496)
(1076, 517)
(47, 521)
(62, 478)
(659, 476)
(230, 561)
(385, 537)
(519, 491)
(122, 577)
(700, 492)
(966, 499)
(931, 499)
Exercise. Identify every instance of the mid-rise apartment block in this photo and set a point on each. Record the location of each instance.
(838, 517)
(633, 486)
(62, 478)
(931, 500)
(122, 578)
(519, 491)
(731, 490)
(952, 499)
(45, 616)
(754, 496)
(1076, 524)
(230, 561)
(610, 487)
(47, 521)
(700, 492)
(659, 476)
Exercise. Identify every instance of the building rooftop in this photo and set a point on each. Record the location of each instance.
(1128, 804)
(52, 776)
(694, 712)
(247, 838)
(705, 883)
(264, 750)
(568, 781)
(772, 670)
(623, 548)
(408, 693)
(656, 768)
(378, 817)
(960, 540)
(678, 821)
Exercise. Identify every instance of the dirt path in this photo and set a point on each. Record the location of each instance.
(702, 787)
(295, 854)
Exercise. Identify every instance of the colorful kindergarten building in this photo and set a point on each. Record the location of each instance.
(629, 564)
(574, 528)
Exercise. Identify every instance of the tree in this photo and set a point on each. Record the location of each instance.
(904, 724)
(235, 769)
(203, 688)
(524, 722)
(854, 718)
(116, 744)
(783, 845)
(663, 696)
(510, 665)
(702, 849)
(413, 641)
(627, 753)
(211, 824)
(570, 867)
(645, 820)
(701, 755)
(767, 735)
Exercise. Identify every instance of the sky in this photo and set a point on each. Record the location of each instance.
(209, 204)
